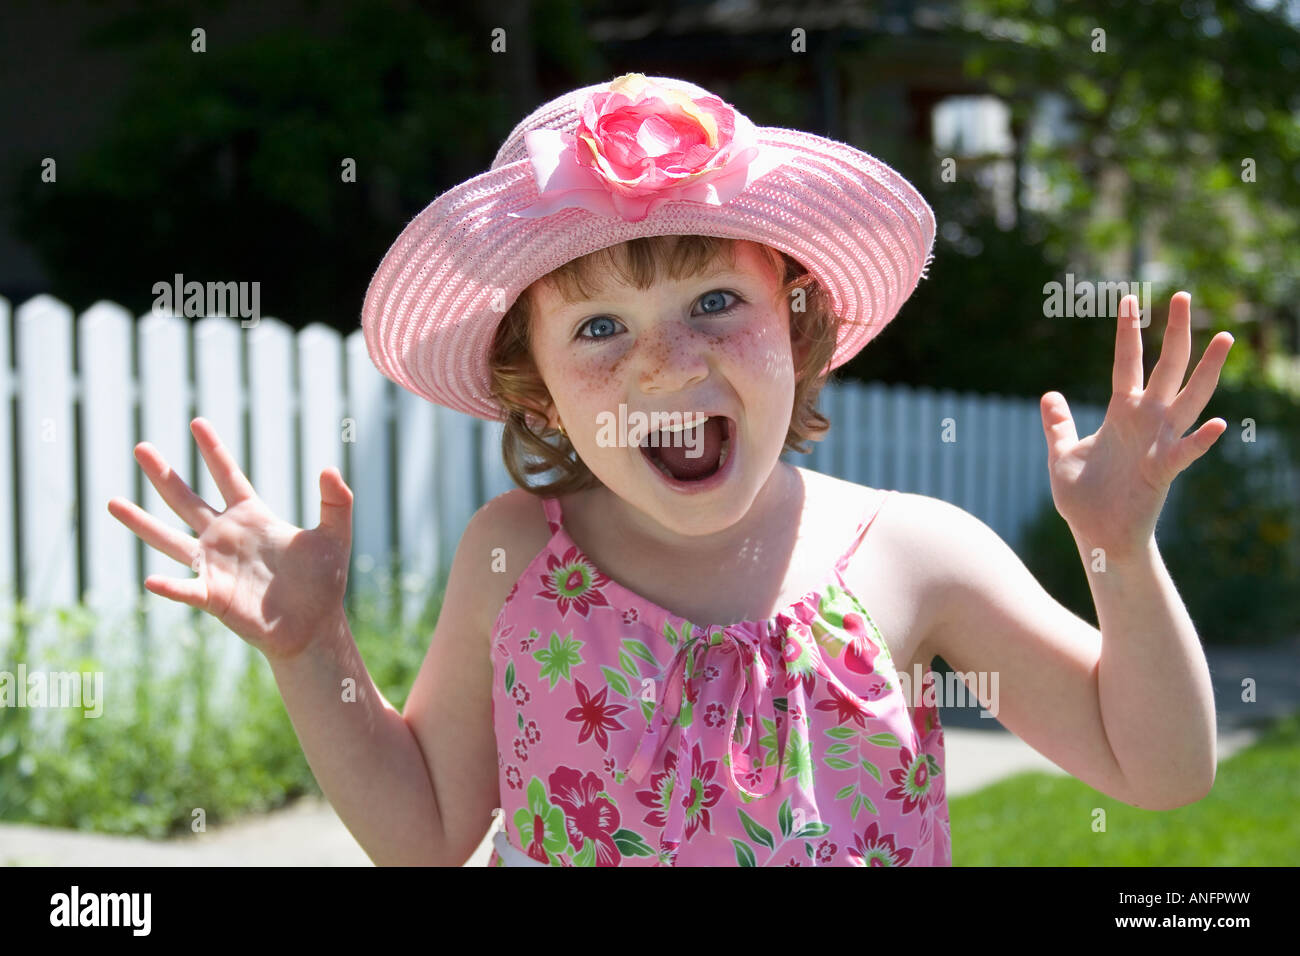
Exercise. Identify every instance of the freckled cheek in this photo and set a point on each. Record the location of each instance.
(763, 349)
(588, 383)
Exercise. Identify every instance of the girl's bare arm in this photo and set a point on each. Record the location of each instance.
(995, 617)
(361, 751)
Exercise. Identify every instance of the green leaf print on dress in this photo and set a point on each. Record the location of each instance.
(631, 843)
(559, 658)
(747, 855)
(799, 759)
(638, 649)
(675, 637)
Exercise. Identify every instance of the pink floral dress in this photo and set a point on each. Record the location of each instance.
(629, 736)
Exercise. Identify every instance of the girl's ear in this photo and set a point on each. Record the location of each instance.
(551, 415)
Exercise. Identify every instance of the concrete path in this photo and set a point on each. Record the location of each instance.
(978, 751)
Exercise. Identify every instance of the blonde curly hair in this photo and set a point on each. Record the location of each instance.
(517, 384)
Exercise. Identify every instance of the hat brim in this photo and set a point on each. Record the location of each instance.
(432, 308)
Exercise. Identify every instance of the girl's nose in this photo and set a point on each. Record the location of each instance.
(672, 357)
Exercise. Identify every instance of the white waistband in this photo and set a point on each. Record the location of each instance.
(510, 856)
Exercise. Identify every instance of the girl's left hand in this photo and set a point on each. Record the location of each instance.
(1110, 486)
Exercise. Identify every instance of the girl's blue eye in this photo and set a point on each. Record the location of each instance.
(717, 296)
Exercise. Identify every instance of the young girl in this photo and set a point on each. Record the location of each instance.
(669, 659)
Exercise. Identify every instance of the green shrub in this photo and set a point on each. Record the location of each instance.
(1232, 542)
(144, 773)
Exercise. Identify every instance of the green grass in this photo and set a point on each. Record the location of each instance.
(1034, 819)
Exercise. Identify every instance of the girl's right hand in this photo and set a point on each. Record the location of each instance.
(274, 584)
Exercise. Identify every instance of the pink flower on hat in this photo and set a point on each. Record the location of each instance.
(640, 144)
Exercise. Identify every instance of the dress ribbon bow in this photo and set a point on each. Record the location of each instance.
(751, 682)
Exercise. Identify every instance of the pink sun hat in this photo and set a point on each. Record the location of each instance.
(638, 156)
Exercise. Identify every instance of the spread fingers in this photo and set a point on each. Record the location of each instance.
(192, 509)
(176, 545)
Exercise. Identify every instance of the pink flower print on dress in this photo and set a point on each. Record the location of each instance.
(845, 707)
(825, 852)
(872, 849)
(660, 792)
(860, 655)
(595, 714)
(800, 658)
(911, 781)
(638, 145)
(532, 733)
(667, 854)
(573, 584)
(701, 794)
(588, 816)
(715, 715)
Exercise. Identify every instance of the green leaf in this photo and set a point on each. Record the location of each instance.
(744, 855)
(870, 768)
(838, 764)
(520, 718)
(785, 817)
(883, 740)
(839, 748)
(780, 703)
(631, 843)
(871, 807)
(640, 650)
(686, 715)
(845, 791)
(757, 833)
(815, 828)
(628, 665)
(857, 805)
(510, 676)
(616, 680)
(808, 849)
(840, 733)
(537, 802)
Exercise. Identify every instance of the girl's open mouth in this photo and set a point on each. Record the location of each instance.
(716, 447)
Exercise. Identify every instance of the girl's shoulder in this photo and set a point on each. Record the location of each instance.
(896, 510)
(512, 526)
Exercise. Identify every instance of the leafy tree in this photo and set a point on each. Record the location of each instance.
(227, 165)
(1193, 108)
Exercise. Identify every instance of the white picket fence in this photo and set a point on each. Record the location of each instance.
(292, 404)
